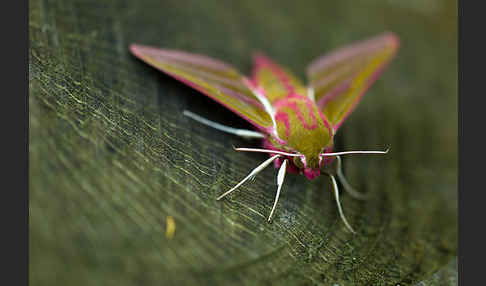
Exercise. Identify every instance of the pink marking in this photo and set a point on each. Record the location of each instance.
(249, 83)
(285, 102)
(329, 128)
(239, 96)
(283, 117)
(310, 173)
(140, 51)
(299, 114)
(254, 87)
(261, 61)
(333, 94)
(280, 141)
(266, 144)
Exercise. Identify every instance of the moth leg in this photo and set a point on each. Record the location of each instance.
(346, 185)
(280, 180)
(240, 132)
(336, 195)
(251, 175)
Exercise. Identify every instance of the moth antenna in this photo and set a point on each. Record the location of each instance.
(280, 180)
(252, 174)
(239, 132)
(353, 152)
(268, 151)
(347, 187)
(336, 195)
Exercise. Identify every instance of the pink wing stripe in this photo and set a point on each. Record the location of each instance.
(370, 44)
(206, 75)
(283, 117)
(241, 97)
(261, 61)
(181, 56)
(333, 94)
(368, 85)
(333, 77)
(292, 105)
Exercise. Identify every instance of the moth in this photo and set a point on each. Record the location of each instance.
(296, 122)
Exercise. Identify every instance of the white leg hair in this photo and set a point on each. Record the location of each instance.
(336, 195)
(251, 175)
(240, 132)
(280, 180)
(346, 185)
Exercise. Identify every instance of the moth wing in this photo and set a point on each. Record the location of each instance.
(276, 80)
(340, 78)
(214, 78)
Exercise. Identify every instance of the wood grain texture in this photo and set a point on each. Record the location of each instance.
(111, 156)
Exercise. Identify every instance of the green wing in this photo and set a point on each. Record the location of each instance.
(339, 79)
(216, 79)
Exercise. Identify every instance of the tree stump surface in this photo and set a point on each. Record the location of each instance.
(112, 158)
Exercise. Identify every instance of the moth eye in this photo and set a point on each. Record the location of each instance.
(298, 162)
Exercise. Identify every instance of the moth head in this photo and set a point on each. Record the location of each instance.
(310, 165)
(312, 158)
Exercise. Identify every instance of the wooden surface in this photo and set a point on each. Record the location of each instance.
(111, 156)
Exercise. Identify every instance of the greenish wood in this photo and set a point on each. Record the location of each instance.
(111, 156)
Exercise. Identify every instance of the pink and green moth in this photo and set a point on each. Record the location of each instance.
(296, 122)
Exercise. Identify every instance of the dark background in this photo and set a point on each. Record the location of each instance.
(111, 156)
